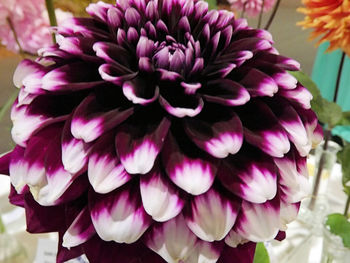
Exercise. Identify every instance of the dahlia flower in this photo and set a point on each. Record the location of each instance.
(330, 20)
(31, 23)
(252, 7)
(159, 131)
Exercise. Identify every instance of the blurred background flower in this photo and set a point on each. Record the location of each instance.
(330, 20)
(24, 25)
(252, 7)
(77, 7)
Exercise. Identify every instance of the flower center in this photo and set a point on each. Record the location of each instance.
(170, 55)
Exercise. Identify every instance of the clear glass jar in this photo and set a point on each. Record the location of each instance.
(333, 248)
(11, 251)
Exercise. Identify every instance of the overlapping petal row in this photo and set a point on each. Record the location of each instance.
(330, 20)
(159, 131)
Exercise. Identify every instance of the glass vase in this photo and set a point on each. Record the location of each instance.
(333, 248)
(11, 251)
(315, 208)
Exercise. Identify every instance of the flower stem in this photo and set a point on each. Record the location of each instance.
(273, 15)
(261, 13)
(319, 171)
(2, 226)
(339, 77)
(12, 27)
(52, 16)
(347, 205)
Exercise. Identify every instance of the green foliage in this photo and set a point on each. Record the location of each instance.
(344, 160)
(2, 226)
(345, 121)
(261, 255)
(327, 112)
(7, 106)
(212, 4)
(340, 226)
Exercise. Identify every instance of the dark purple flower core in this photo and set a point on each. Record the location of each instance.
(159, 131)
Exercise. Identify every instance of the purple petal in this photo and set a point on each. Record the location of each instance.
(160, 198)
(201, 8)
(226, 92)
(5, 160)
(233, 239)
(139, 92)
(90, 121)
(17, 169)
(293, 125)
(112, 53)
(29, 73)
(145, 47)
(212, 215)
(43, 219)
(172, 240)
(194, 173)
(280, 61)
(57, 179)
(249, 175)
(25, 98)
(259, 83)
(294, 183)
(99, 10)
(132, 35)
(151, 11)
(116, 73)
(206, 252)
(182, 112)
(105, 171)
(242, 254)
(288, 213)
(262, 129)
(252, 44)
(114, 17)
(218, 138)
(191, 88)
(74, 152)
(98, 250)
(83, 26)
(252, 216)
(166, 75)
(80, 230)
(73, 76)
(313, 129)
(132, 17)
(138, 147)
(300, 95)
(119, 215)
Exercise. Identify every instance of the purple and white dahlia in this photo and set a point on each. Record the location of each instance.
(159, 131)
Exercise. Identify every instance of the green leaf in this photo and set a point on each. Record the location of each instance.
(212, 4)
(345, 120)
(327, 112)
(7, 106)
(331, 113)
(344, 159)
(261, 255)
(340, 226)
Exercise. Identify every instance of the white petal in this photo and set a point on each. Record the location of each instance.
(212, 216)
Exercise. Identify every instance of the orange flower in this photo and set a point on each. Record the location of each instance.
(330, 19)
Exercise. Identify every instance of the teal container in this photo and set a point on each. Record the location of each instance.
(325, 73)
